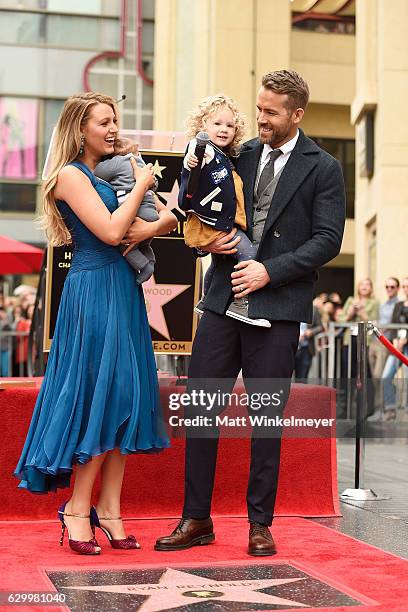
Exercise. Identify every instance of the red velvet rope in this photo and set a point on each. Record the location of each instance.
(389, 345)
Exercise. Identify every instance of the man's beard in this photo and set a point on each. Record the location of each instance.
(275, 136)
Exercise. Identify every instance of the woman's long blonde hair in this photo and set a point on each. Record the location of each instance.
(195, 121)
(65, 149)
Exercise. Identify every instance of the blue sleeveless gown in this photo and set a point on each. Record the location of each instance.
(100, 390)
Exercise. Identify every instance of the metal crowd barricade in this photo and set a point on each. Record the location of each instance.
(328, 352)
(335, 329)
(328, 362)
(10, 342)
(329, 365)
(359, 493)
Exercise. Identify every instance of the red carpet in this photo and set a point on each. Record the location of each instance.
(378, 580)
(154, 484)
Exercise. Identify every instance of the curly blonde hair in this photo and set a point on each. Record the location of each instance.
(65, 149)
(196, 118)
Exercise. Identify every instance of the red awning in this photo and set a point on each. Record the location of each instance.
(19, 257)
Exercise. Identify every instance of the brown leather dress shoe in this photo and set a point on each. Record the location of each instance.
(261, 542)
(189, 532)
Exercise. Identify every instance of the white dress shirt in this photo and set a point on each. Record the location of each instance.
(280, 162)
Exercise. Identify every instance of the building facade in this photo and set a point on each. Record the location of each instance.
(50, 49)
(353, 53)
(378, 112)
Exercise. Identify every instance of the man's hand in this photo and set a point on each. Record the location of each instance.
(223, 245)
(249, 276)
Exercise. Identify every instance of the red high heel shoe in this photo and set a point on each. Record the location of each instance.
(127, 543)
(82, 548)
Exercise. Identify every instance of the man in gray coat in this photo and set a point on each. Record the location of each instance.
(295, 207)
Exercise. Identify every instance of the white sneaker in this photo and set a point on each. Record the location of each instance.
(199, 307)
(238, 309)
(377, 417)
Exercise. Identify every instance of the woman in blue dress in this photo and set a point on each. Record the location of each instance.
(99, 400)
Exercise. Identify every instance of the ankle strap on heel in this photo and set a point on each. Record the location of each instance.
(84, 516)
(110, 518)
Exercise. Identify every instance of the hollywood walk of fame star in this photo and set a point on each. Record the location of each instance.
(156, 296)
(172, 198)
(157, 169)
(176, 589)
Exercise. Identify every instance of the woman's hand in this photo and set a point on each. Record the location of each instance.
(139, 231)
(145, 230)
(146, 173)
(352, 311)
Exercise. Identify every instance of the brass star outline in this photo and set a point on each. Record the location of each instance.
(157, 169)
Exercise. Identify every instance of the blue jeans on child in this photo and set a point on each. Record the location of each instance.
(245, 251)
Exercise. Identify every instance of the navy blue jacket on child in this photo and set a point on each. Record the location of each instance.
(214, 201)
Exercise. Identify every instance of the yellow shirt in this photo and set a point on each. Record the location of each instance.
(199, 234)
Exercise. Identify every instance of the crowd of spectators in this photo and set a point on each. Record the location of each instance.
(327, 307)
(385, 392)
(16, 313)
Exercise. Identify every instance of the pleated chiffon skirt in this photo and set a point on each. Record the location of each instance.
(100, 391)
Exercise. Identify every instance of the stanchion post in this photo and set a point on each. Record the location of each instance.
(331, 357)
(359, 493)
(361, 401)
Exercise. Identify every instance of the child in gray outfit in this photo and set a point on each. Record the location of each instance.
(118, 172)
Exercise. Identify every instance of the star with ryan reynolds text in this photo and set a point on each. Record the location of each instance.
(177, 589)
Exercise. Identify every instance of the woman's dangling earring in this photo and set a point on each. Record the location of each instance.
(81, 146)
